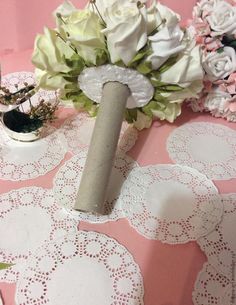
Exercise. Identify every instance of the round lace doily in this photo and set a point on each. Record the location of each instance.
(19, 78)
(172, 203)
(208, 147)
(28, 218)
(66, 185)
(23, 161)
(220, 245)
(78, 132)
(81, 268)
(213, 288)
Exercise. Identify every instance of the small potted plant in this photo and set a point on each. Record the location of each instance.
(25, 123)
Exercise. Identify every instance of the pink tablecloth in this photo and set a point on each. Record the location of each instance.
(169, 271)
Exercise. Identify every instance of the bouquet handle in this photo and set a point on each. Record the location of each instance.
(94, 182)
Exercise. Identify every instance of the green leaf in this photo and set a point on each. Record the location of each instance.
(159, 98)
(93, 110)
(168, 64)
(168, 88)
(76, 64)
(82, 102)
(167, 111)
(147, 109)
(233, 44)
(120, 64)
(143, 120)
(144, 67)
(144, 52)
(156, 74)
(70, 91)
(101, 57)
(72, 86)
(131, 115)
(220, 50)
(5, 266)
(157, 83)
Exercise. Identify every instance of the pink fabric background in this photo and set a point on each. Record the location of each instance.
(21, 20)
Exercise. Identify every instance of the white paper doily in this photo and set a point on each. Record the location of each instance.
(66, 185)
(208, 147)
(172, 203)
(213, 288)
(92, 79)
(81, 268)
(78, 132)
(220, 245)
(28, 218)
(23, 161)
(19, 78)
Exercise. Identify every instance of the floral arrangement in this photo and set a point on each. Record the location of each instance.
(214, 27)
(124, 33)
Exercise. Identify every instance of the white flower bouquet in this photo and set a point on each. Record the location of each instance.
(214, 26)
(128, 35)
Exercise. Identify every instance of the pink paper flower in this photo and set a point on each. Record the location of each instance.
(228, 85)
(207, 85)
(212, 21)
(231, 105)
(212, 44)
(202, 27)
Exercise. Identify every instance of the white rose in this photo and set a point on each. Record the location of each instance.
(84, 29)
(49, 81)
(204, 7)
(50, 51)
(216, 101)
(126, 29)
(159, 15)
(165, 43)
(65, 9)
(222, 19)
(220, 65)
(186, 70)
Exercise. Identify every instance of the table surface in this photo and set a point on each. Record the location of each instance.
(169, 271)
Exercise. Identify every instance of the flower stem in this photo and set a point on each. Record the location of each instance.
(59, 16)
(65, 41)
(93, 2)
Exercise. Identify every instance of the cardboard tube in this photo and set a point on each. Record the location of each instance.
(102, 149)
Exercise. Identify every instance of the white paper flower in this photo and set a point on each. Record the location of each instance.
(126, 29)
(204, 7)
(165, 43)
(50, 52)
(220, 65)
(84, 30)
(216, 101)
(65, 9)
(222, 19)
(186, 70)
(159, 15)
(49, 81)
